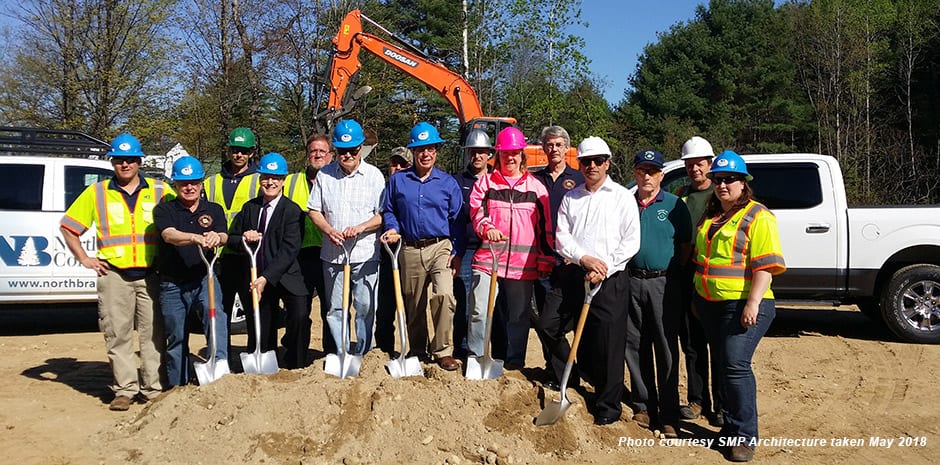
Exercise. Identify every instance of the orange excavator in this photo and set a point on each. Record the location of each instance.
(350, 40)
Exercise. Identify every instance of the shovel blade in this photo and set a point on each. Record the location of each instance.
(553, 412)
(342, 366)
(207, 372)
(402, 367)
(484, 368)
(259, 363)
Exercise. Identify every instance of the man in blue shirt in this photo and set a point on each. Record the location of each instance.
(422, 204)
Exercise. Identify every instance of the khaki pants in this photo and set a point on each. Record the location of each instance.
(419, 266)
(121, 304)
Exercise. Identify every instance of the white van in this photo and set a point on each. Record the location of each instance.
(41, 173)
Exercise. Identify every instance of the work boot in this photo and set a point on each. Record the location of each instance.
(642, 418)
(691, 411)
(120, 404)
(741, 453)
(670, 432)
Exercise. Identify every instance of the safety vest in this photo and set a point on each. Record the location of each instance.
(243, 193)
(747, 242)
(297, 189)
(126, 239)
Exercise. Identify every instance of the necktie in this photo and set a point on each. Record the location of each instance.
(262, 224)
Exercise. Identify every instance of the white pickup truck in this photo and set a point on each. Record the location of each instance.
(41, 173)
(884, 259)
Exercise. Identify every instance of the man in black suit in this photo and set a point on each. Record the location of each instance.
(278, 224)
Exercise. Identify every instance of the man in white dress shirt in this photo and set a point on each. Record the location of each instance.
(598, 232)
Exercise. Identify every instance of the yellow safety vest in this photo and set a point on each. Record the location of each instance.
(297, 189)
(748, 242)
(243, 193)
(126, 239)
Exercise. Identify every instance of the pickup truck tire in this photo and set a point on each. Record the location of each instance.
(911, 304)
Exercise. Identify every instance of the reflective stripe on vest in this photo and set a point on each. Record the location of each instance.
(737, 268)
(127, 244)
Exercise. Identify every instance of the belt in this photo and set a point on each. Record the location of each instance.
(422, 243)
(646, 274)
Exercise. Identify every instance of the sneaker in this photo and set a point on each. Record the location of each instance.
(691, 411)
(670, 432)
(120, 404)
(642, 418)
(741, 453)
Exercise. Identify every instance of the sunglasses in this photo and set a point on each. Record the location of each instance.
(241, 150)
(122, 160)
(588, 161)
(350, 151)
(719, 180)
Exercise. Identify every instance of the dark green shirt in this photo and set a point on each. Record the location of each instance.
(664, 224)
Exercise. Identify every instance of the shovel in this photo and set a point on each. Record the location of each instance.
(486, 367)
(211, 369)
(257, 362)
(344, 365)
(554, 411)
(400, 366)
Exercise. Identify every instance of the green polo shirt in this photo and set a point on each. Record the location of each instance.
(664, 224)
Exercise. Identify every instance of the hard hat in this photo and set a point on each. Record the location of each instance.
(348, 134)
(729, 162)
(273, 163)
(423, 134)
(510, 138)
(477, 139)
(593, 146)
(187, 169)
(697, 147)
(125, 145)
(241, 137)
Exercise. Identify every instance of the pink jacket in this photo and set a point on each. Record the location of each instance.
(520, 211)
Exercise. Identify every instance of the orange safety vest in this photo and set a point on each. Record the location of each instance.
(747, 242)
(126, 239)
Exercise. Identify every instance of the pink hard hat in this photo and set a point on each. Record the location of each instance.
(510, 138)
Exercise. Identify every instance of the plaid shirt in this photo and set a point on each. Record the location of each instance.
(347, 200)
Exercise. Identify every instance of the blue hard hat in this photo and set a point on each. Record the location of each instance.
(187, 169)
(423, 134)
(273, 163)
(729, 162)
(125, 145)
(348, 134)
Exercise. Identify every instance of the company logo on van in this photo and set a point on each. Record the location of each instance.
(36, 251)
(399, 57)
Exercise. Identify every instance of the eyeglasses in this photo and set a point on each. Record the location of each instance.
(318, 151)
(647, 170)
(588, 161)
(719, 180)
(350, 151)
(559, 145)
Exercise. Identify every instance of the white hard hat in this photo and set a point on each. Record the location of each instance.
(593, 146)
(697, 147)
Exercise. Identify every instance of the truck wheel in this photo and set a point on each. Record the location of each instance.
(911, 304)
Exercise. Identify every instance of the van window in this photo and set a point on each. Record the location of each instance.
(77, 178)
(21, 187)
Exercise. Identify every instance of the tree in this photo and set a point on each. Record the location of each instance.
(91, 65)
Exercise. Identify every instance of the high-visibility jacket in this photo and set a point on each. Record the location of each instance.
(747, 242)
(247, 189)
(126, 239)
(297, 189)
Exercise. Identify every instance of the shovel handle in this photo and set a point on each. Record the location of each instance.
(392, 253)
(588, 296)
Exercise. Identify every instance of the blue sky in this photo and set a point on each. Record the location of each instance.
(619, 29)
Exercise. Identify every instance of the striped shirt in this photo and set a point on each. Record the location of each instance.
(348, 200)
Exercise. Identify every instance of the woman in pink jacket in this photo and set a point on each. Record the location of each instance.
(511, 205)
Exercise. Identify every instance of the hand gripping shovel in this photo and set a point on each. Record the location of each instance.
(486, 367)
(211, 369)
(344, 365)
(257, 362)
(554, 411)
(400, 366)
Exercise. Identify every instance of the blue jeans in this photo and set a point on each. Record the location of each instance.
(462, 292)
(363, 284)
(176, 301)
(735, 347)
